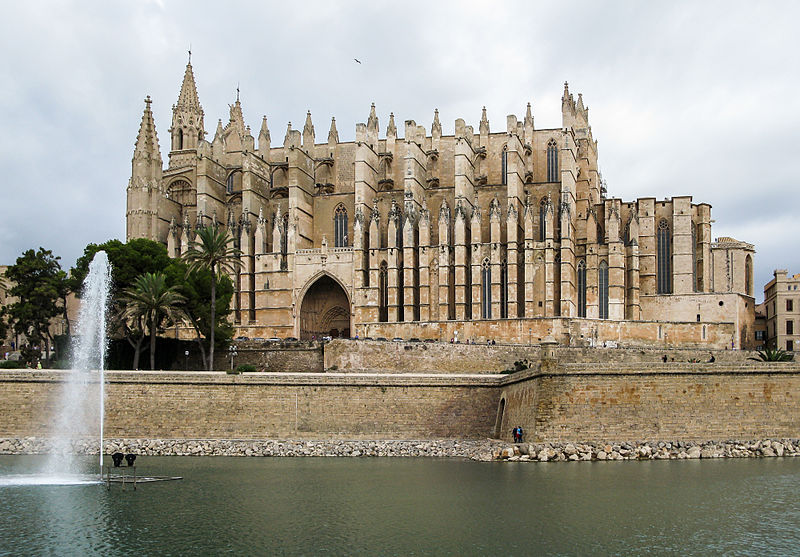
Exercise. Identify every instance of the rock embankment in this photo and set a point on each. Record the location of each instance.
(565, 452)
(485, 450)
(477, 450)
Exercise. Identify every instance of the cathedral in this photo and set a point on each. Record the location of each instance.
(505, 234)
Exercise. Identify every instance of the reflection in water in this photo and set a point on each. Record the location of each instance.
(420, 506)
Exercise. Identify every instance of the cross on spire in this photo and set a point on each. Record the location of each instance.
(190, 53)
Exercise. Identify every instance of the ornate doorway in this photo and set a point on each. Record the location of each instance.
(325, 310)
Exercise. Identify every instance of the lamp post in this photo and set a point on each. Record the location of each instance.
(233, 353)
(186, 363)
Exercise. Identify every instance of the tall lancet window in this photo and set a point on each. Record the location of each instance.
(383, 292)
(552, 161)
(486, 290)
(504, 165)
(582, 288)
(285, 235)
(664, 258)
(340, 226)
(543, 219)
(504, 289)
(602, 289)
(180, 139)
(694, 256)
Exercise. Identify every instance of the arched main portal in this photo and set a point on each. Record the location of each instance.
(325, 310)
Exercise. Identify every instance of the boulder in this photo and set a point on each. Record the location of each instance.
(694, 452)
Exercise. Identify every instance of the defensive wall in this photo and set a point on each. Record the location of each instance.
(617, 395)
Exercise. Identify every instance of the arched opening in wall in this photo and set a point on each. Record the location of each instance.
(552, 161)
(383, 293)
(486, 289)
(180, 139)
(182, 192)
(340, 239)
(602, 289)
(664, 257)
(498, 425)
(543, 219)
(582, 288)
(325, 310)
(748, 275)
(504, 165)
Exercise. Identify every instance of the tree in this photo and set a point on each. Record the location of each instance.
(213, 250)
(128, 261)
(39, 285)
(195, 286)
(151, 302)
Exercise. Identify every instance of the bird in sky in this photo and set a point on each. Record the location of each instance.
(357, 60)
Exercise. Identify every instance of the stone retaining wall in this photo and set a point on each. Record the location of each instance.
(444, 357)
(690, 402)
(213, 405)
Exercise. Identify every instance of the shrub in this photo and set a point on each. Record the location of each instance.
(246, 368)
(12, 364)
(774, 355)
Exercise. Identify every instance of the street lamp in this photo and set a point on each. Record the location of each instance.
(186, 365)
(233, 353)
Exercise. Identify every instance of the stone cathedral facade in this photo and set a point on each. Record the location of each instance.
(502, 234)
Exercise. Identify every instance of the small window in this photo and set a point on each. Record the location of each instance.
(759, 335)
(789, 346)
(789, 327)
(789, 304)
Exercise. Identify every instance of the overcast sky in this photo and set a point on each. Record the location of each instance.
(686, 98)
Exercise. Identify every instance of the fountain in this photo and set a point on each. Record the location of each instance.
(79, 409)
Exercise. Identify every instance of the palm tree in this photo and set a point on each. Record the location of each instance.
(212, 249)
(150, 301)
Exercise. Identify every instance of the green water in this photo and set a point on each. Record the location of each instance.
(313, 506)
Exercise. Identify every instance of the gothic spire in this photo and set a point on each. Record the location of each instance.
(372, 121)
(308, 132)
(436, 127)
(147, 139)
(528, 116)
(391, 128)
(484, 126)
(187, 98)
(264, 139)
(333, 133)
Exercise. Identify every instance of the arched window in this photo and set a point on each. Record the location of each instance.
(581, 288)
(340, 226)
(664, 258)
(694, 256)
(180, 139)
(626, 235)
(542, 219)
(748, 275)
(602, 289)
(285, 235)
(182, 192)
(601, 236)
(229, 183)
(552, 161)
(486, 290)
(383, 292)
(504, 165)
(504, 289)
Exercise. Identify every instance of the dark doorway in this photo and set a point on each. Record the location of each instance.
(325, 310)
